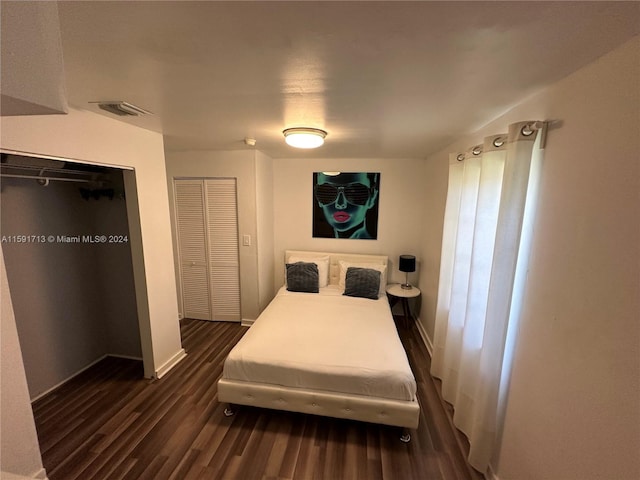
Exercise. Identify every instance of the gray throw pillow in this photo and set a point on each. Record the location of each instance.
(362, 282)
(302, 277)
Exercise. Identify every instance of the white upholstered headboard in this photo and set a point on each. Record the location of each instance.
(334, 258)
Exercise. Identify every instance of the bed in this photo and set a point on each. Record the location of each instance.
(325, 353)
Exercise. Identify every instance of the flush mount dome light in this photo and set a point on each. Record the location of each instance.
(302, 137)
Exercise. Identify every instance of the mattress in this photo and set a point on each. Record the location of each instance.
(325, 341)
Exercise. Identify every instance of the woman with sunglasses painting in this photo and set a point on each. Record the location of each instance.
(345, 200)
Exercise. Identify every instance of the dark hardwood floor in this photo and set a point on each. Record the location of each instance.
(110, 423)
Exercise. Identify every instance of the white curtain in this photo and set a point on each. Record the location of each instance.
(482, 271)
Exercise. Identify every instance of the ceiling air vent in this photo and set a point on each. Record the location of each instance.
(122, 109)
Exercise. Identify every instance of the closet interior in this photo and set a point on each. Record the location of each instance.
(65, 240)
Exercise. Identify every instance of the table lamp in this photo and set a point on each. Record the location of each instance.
(407, 264)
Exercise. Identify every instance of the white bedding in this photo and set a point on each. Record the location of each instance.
(325, 341)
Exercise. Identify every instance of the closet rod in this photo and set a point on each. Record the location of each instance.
(32, 177)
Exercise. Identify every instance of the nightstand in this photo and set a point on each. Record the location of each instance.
(396, 292)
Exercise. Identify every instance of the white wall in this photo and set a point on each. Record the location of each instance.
(399, 226)
(264, 216)
(19, 449)
(239, 164)
(435, 192)
(95, 138)
(574, 402)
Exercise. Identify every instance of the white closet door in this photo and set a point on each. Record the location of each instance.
(207, 220)
(190, 218)
(224, 268)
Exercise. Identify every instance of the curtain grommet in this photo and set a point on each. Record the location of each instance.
(527, 131)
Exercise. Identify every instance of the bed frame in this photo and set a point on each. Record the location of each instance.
(330, 404)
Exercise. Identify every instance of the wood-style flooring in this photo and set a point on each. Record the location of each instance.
(110, 423)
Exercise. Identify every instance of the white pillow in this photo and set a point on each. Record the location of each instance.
(321, 262)
(375, 266)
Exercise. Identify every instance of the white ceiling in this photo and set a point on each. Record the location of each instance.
(384, 79)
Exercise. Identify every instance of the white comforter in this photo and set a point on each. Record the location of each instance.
(325, 341)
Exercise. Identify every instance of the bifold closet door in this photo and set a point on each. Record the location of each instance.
(222, 230)
(207, 224)
(192, 249)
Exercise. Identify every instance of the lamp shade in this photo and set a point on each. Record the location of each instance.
(407, 263)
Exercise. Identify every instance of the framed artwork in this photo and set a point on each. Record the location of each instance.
(345, 205)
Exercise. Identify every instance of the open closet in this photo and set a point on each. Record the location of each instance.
(65, 239)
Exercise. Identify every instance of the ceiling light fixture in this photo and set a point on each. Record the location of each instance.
(303, 137)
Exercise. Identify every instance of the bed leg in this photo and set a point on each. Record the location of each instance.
(405, 436)
(229, 411)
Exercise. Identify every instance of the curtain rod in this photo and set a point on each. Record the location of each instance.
(527, 130)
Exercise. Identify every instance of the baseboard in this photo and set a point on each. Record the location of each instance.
(59, 384)
(39, 475)
(247, 322)
(172, 362)
(49, 390)
(126, 357)
(491, 475)
(425, 338)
